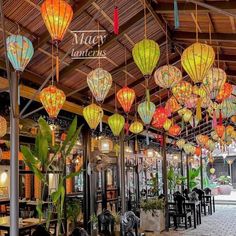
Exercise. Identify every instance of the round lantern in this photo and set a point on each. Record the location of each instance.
(220, 130)
(172, 105)
(52, 99)
(93, 115)
(229, 129)
(159, 117)
(192, 101)
(196, 60)
(136, 127)
(182, 91)
(202, 139)
(213, 81)
(19, 51)
(57, 15)
(3, 126)
(167, 76)
(145, 112)
(126, 97)
(198, 151)
(199, 91)
(233, 135)
(212, 171)
(116, 123)
(99, 82)
(189, 148)
(210, 145)
(146, 54)
(105, 145)
(167, 124)
(174, 130)
(224, 92)
(180, 143)
(186, 114)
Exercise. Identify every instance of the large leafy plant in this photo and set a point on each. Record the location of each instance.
(46, 157)
(174, 179)
(152, 204)
(193, 175)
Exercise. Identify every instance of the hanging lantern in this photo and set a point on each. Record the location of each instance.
(210, 145)
(126, 98)
(174, 130)
(213, 81)
(146, 54)
(3, 126)
(93, 115)
(145, 112)
(180, 143)
(206, 102)
(99, 82)
(214, 135)
(192, 101)
(19, 51)
(167, 76)
(159, 118)
(229, 129)
(167, 124)
(220, 130)
(198, 151)
(182, 91)
(212, 171)
(53, 100)
(186, 114)
(57, 16)
(116, 123)
(172, 105)
(202, 139)
(189, 148)
(105, 145)
(233, 135)
(199, 91)
(224, 92)
(233, 119)
(136, 127)
(196, 60)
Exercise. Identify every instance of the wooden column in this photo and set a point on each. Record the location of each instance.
(27, 184)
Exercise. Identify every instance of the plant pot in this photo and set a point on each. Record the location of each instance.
(94, 232)
(153, 221)
(225, 189)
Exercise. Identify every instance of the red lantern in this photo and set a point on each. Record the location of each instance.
(174, 130)
(220, 130)
(198, 151)
(159, 118)
(126, 98)
(225, 92)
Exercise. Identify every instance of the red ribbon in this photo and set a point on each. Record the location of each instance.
(116, 20)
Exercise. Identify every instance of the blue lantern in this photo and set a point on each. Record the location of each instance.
(146, 112)
(19, 51)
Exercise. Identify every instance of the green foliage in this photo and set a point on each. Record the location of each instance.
(193, 174)
(117, 217)
(73, 210)
(94, 219)
(224, 180)
(152, 204)
(174, 179)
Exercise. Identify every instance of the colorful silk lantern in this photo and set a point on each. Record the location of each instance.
(213, 81)
(53, 100)
(174, 130)
(189, 148)
(126, 97)
(233, 135)
(214, 135)
(136, 127)
(3, 126)
(186, 114)
(233, 119)
(196, 60)
(105, 145)
(182, 91)
(202, 139)
(220, 130)
(224, 92)
(116, 123)
(180, 143)
(198, 151)
(229, 129)
(57, 16)
(167, 124)
(145, 112)
(172, 105)
(199, 91)
(99, 82)
(192, 101)
(19, 51)
(159, 118)
(210, 145)
(146, 54)
(93, 115)
(167, 76)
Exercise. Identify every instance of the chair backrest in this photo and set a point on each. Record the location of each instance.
(106, 221)
(207, 191)
(129, 223)
(79, 232)
(193, 196)
(180, 203)
(201, 194)
(185, 193)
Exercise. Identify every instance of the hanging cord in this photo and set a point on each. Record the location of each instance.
(52, 66)
(126, 79)
(145, 19)
(115, 100)
(167, 48)
(210, 33)
(196, 25)
(99, 47)
(57, 63)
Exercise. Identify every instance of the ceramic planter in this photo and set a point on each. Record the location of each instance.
(225, 189)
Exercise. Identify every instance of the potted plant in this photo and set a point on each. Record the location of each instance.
(117, 218)
(73, 211)
(225, 185)
(193, 177)
(94, 224)
(152, 215)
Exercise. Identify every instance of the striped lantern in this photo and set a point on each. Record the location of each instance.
(146, 113)
(136, 127)
(116, 123)
(126, 97)
(180, 143)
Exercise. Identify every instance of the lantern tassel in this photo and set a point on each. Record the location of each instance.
(147, 138)
(57, 68)
(207, 118)
(116, 20)
(220, 118)
(214, 121)
(176, 14)
(199, 110)
(136, 145)
(53, 137)
(148, 99)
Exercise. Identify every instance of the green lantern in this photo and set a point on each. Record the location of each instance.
(116, 123)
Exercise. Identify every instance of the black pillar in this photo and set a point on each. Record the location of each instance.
(181, 170)
(104, 189)
(201, 171)
(187, 170)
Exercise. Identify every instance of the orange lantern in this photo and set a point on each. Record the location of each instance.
(159, 118)
(174, 130)
(202, 139)
(126, 98)
(220, 130)
(57, 15)
(52, 99)
(172, 105)
(233, 119)
(198, 151)
(225, 92)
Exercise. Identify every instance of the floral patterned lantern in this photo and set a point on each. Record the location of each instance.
(210, 145)
(198, 151)
(214, 135)
(192, 101)
(174, 130)
(146, 113)
(220, 130)
(116, 123)
(136, 127)
(159, 117)
(57, 15)
(180, 143)
(99, 82)
(93, 115)
(172, 105)
(196, 60)
(202, 139)
(229, 129)
(186, 114)
(167, 124)
(53, 100)
(167, 76)
(206, 102)
(3, 126)
(126, 98)
(224, 92)
(182, 91)
(189, 148)
(19, 51)
(233, 135)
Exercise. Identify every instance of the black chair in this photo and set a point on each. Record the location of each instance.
(106, 222)
(205, 204)
(40, 230)
(207, 191)
(186, 193)
(79, 232)
(129, 224)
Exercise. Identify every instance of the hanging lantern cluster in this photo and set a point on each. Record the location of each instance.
(180, 143)
(99, 82)
(3, 126)
(136, 127)
(126, 97)
(182, 91)
(159, 118)
(146, 112)
(174, 130)
(116, 123)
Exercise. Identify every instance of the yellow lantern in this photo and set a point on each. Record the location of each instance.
(196, 60)
(180, 143)
(93, 115)
(186, 114)
(210, 145)
(136, 127)
(116, 123)
(233, 135)
(200, 91)
(3, 126)
(105, 145)
(229, 129)
(189, 148)
(212, 171)
(167, 124)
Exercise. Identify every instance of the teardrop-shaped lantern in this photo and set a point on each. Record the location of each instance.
(3, 126)
(19, 51)
(189, 148)
(93, 115)
(126, 97)
(196, 60)
(198, 151)
(220, 130)
(229, 129)
(213, 81)
(174, 130)
(202, 139)
(145, 112)
(53, 100)
(116, 123)
(99, 82)
(192, 101)
(210, 145)
(167, 76)
(57, 16)
(180, 143)
(159, 118)
(146, 54)
(224, 92)
(182, 91)
(186, 114)
(136, 127)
